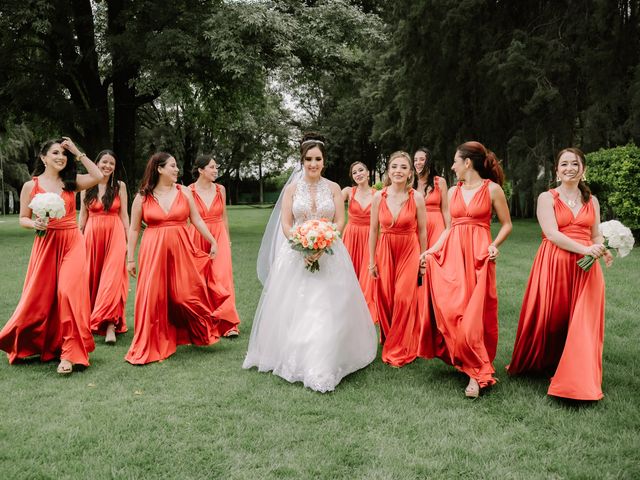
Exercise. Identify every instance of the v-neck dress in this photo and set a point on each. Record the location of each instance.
(221, 266)
(561, 327)
(398, 261)
(356, 240)
(462, 285)
(106, 244)
(172, 299)
(52, 317)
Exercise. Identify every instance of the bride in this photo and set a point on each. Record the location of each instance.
(313, 328)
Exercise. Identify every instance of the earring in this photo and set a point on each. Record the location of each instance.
(584, 177)
(558, 178)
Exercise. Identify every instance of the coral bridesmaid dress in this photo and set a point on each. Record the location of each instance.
(431, 341)
(356, 240)
(106, 244)
(172, 306)
(222, 267)
(398, 260)
(462, 284)
(561, 327)
(52, 317)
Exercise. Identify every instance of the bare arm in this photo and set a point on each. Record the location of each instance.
(225, 218)
(286, 211)
(421, 217)
(84, 213)
(338, 202)
(445, 199)
(25, 212)
(373, 234)
(596, 236)
(345, 197)
(499, 202)
(86, 180)
(198, 223)
(134, 232)
(124, 214)
(444, 203)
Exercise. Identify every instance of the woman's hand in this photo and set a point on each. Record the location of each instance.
(40, 223)
(68, 144)
(596, 250)
(213, 251)
(608, 258)
(373, 271)
(131, 268)
(493, 252)
(309, 259)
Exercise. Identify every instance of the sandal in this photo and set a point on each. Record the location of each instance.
(110, 336)
(473, 389)
(65, 367)
(232, 333)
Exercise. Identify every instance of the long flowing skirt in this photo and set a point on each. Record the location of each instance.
(52, 317)
(313, 328)
(356, 241)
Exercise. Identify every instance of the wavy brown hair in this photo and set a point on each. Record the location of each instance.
(428, 171)
(400, 153)
(151, 175)
(67, 174)
(113, 184)
(484, 161)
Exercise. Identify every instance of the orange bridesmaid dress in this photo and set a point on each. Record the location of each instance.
(52, 317)
(221, 266)
(356, 240)
(106, 244)
(561, 327)
(462, 284)
(431, 341)
(398, 261)
(173, 306)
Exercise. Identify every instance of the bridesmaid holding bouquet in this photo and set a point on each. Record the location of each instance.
(173, 304)
(52, 317)
(104, 221)
(356, 232)
(561, 327)
(210, 199)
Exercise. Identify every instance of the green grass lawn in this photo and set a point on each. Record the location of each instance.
(199, 415)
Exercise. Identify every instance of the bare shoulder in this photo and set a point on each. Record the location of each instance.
(221, 188)
(186, 191)
(28, 186)
(334, 187)
(418, 197)
(346, 190)
(442, 183)
(594, 199)
(545, 197)
(289, 189)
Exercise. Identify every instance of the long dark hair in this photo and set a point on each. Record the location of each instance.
(67, 174)
(201, 162)
(151, 175)
(585, 191)
(484, 161)
(357, 162)
(113, 184)
(427, 171)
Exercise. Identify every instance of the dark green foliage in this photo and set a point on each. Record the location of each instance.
(613, 177)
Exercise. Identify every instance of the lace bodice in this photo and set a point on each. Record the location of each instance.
(307, 206)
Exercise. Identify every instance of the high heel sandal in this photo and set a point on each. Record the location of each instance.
(65, 367)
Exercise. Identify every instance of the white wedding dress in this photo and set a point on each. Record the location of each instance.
(313, 328)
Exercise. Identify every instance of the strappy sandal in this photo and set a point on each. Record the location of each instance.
(65, 367)
(472, 390)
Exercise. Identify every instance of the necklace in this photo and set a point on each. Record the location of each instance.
(572, 202)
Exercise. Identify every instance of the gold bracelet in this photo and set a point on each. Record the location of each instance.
(79, 157)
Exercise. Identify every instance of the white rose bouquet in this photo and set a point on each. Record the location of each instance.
(616, 237)
(47, 205)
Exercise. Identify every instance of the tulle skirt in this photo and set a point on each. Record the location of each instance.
(313, 328)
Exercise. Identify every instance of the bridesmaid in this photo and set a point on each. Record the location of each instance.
(104, 221)
(356, 232)
(210, 199)
(395, 259)
(461, 275)
(173, 305)
(561, 327)
(438, 222)
(52, 317)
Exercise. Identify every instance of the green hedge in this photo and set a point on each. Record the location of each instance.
(614, 177)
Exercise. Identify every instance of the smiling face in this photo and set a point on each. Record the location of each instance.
(55, 158)
(460, 165)
(419, 161)
(107, 165)
(313, 163)
(170, 170)
(570, 168)
(360, 174)
(400, 170)
(210, 171)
